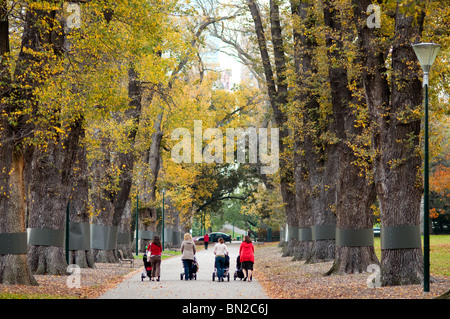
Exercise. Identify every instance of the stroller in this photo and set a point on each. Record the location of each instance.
(226, 269)
(194, 269)
(147, 269)
(238, 273)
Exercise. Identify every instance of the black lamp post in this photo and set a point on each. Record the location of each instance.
(163, 217)
(426, 54)
(137, 224)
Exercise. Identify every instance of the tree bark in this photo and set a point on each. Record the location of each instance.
(111, 205)
(395, 140)
(50, 189)
(323, 168)
(148, 215)
(302, 140)
(355, 192)
(303, 205)
(315, 157)
(79, 204)
(102, 200)
(122, 204)
(125, 228)
(13, 267)
(277, 92)
(16, 124)
(4, 35)
(51, 165)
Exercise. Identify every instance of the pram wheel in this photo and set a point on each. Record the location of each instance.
(148, 275)
(214, 276)
(194, 276)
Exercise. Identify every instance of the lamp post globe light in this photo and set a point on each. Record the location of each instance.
(426, 54)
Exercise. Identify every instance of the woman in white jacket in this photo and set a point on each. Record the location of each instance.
(220, 250)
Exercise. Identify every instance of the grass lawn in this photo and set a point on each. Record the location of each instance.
(8, 295)
(439, 253)
(170, 253)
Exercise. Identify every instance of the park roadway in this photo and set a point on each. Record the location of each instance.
(172, 287)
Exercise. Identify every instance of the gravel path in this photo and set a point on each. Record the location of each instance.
(171, 287)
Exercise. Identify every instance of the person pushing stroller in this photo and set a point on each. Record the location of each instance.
(220, 250)
(247, 257)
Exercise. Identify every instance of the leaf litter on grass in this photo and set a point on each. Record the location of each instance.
(283, 278)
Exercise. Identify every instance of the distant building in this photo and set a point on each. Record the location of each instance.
(226, 79)
(247, 75)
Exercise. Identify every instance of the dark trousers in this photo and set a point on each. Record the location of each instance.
(187, 263)
(206, 245)
(220, 266)
(156, 265)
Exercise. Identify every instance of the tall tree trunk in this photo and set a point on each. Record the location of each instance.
(277, 92)
(50, 173)
(52, 179)
(51, 165)
(109, 205)
(323, 168)
(148, 215)
(19, 106)
(302, 140)
(126, 160)
(126, 244)
(101, 199)
(79, 208)
(395, 140)
(355, 193)
(280, 101)
(13, 265)
(49, 194)
(302, 198)
(4, 38)
(112, 204)
(315, 158)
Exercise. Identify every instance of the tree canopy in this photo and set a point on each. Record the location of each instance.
(96, 97)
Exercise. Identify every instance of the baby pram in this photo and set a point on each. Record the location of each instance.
(225, 270)
(238, 273)
(147, 272)
(194, 269)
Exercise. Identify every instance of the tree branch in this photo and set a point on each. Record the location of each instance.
(208, 21)
(220, 198)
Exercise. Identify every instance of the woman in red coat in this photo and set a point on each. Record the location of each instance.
(154, 256)
(247, 257)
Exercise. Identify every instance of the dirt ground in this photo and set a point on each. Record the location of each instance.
(93, 282)
(286, 279)
(281, 277)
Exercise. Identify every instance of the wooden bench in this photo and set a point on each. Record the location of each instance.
(122, 259)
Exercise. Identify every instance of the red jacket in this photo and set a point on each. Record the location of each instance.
(246, 251)
(155, 249)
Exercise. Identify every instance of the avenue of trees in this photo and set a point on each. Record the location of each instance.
(91, 92)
